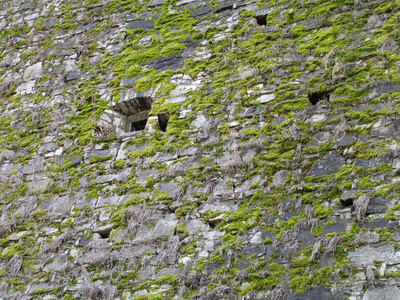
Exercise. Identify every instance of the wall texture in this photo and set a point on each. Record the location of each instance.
(189, 149)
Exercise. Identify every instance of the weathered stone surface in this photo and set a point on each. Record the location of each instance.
(306, 238)
(196, 225)
(26, 88)
(369, 237)
(153, 3)
(348, 197)
(382, 293)
(256, 251)
(146, 25)
(366, 255)
(221, 206)
(386, 131)
(58, 204)
(265, 98)
(201, 11)
(383, 89)
(289, 215)
(318, 293)
(377, 205)
(234, 94)
(224, 5)
(338, 227)
(103, 201)
(345, 140)
(33, 72)
(211, 266)
(280, 177)
(327, 166)
(17, 235)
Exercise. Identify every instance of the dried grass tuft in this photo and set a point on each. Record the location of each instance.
(279, 292)
(139, 217)
(334, 242)
(98, 291)
(370, 276)
(14, 265)
(361, 206)
(317, 247)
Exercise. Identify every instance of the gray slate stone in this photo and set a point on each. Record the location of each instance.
(34, 166)
(326, 166)
(259, 251)
(196, 225)
(346, 140)
(381, 224)
(338, 227)
(377, 205)
(369, 163)
(211, 266)
(306, 238)
(289, 215)
(386, 131)
(200, 12)
(57, 204)
(280, 177)
(50, 22)
(224, 6)
(153, 3)
(146, 25)
(383, 89)
(320, 293)
(382, 293)
(366, 255)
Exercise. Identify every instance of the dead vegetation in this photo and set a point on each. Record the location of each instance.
(56, 243)
(361, 206)
(288, 242)
(95, 290)
(138, 217)
(14, 265)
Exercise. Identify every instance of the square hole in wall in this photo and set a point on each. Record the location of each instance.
(134, 113)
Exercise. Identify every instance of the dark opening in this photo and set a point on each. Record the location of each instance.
(163, 121)
(261, 20)
(135, 113)
(315, 97)
(139, 125)
(104, 233)
(347, 202)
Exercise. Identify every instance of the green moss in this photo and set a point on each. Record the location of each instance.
(97, 158)
(119, 164)
(13, 250)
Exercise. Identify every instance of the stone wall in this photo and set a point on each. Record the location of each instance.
(187, 149)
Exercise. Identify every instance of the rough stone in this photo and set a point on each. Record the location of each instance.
(146, 25)
(196, 225)
(33, 72)
(382, 293)
(377, 205)
(280, 177)
(15, 236)
(318, 293)
(201, 11)
(326, 166)
(224, 6)
(366, 255)
(265, 98)
(370, 237)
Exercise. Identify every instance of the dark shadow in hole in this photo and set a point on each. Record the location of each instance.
(139, 125)
(163, 121)
(315, 97)
(104, 233)
(261, 20)
(347, 202)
